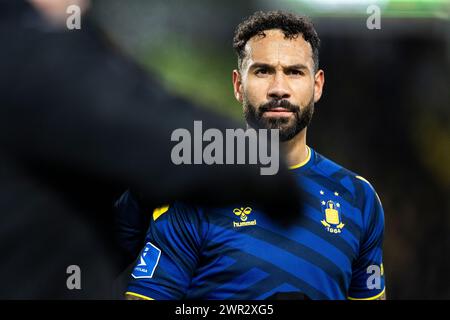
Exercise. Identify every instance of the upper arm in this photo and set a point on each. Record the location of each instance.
(368, 281)
(166, 264)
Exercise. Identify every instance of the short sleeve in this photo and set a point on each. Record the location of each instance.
(166, 264)
(368, 273)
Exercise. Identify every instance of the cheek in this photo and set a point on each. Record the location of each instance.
(302, 91)
(256, 91)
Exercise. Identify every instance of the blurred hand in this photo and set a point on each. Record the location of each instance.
(55, 10)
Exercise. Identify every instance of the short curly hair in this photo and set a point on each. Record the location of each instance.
(291, 24)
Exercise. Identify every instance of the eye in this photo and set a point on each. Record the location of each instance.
(261, 71)
(296, 72)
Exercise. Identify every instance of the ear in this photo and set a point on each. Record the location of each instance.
(237, 86)
(319, 80)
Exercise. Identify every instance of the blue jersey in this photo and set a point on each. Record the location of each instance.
(332, 251)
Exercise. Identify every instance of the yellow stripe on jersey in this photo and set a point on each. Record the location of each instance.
(138, 295)
(370, 298)
(361, 178)
(301, 164)
(159, 211)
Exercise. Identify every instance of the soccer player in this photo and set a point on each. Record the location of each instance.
(332, 251)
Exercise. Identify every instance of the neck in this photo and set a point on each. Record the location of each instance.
(295, 150)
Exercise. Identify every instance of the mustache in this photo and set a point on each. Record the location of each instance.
(285, 104)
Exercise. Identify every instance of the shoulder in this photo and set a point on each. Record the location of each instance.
(358, 186)
(178, 212)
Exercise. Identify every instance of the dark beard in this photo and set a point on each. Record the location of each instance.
(288, 127)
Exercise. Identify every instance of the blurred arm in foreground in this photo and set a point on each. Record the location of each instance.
(79, 121)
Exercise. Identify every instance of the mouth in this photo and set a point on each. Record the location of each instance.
(278, 112)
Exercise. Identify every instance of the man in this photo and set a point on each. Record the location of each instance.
(334, 248)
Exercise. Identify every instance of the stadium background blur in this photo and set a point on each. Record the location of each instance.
(384, 113)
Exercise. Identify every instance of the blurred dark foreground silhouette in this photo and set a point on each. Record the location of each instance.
(79, 122)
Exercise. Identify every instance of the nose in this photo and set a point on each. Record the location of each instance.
(279, 89)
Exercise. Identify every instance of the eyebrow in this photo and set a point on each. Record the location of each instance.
(298, 66)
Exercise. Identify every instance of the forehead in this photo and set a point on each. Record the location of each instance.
(275, 48)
